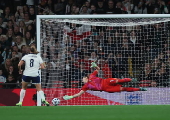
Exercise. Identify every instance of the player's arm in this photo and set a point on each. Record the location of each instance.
(97, 68)
(78, 94)
(66, 97)
(21, 62)
(42, 66)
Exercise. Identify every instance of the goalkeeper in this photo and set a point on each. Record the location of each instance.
(92, 82)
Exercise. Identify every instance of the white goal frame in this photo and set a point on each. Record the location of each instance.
(39, 17)
(92, 16)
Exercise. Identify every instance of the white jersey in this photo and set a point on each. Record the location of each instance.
(32, 64)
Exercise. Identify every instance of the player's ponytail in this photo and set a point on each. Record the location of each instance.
(33, 50)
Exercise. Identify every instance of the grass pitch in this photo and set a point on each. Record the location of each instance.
(115, 112)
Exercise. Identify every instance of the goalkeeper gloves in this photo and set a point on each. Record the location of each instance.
(66, 97)
(93, 64)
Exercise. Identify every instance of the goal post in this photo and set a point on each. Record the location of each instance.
(131, 45)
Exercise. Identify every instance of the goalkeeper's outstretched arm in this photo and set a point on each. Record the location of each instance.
(85, 80)
(78, 94)
(97, 68)
(66, 97)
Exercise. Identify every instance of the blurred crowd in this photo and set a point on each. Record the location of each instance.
(18, 30)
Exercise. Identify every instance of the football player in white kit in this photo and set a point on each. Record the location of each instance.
(33, 63)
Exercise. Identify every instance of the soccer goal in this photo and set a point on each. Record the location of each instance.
(123, 46)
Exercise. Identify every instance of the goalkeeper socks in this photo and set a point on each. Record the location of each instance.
(22, 95)
(42, 95)
(130, 89)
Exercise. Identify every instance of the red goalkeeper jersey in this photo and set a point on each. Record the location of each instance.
(94, 83)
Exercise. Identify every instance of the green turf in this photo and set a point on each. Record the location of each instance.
(119, 112)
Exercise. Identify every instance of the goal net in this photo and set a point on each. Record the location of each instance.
(123, 46)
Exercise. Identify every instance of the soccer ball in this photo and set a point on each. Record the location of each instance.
(55, 101)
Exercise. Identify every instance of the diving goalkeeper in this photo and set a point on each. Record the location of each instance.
(92, 82)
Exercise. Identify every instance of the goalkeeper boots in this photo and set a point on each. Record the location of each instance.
(19, 104)
(45, 103)
(143, 89)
